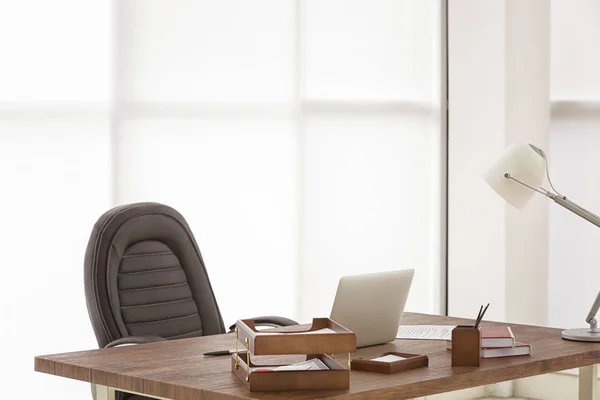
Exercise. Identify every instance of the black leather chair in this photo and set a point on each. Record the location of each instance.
(145, 280)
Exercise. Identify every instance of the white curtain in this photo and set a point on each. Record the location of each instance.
(299, 138)
(55, 170)
(574, 159)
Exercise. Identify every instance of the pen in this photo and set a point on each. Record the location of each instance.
(221, 352)
(481, 316)
(478, 315)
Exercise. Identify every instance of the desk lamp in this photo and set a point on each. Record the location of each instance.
(516, 177)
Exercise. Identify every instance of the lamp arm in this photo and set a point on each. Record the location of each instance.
(594, 219)
(583, 213)
(561, 200)
(575, 208)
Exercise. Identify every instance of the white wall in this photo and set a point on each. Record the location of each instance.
(540, 263)
(498, 69)
(574, 162)
(476, 124)
(527, 52)
(553, 258)
(498, 95)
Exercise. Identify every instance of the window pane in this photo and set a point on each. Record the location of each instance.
(372, 49)
(574, 275)
(55, 51)
(371, 201)
(235, 183)
(55, 178)
(201, 50)
(575, 61)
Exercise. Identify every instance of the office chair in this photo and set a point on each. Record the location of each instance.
(145, 280)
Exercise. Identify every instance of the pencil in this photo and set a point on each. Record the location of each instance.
(478, 314)
(482, 314)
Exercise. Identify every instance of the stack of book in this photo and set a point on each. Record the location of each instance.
(499, 341)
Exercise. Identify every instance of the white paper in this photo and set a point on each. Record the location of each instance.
(426, 332)
(324, 330)
(389, 358)
(293, 367)
(309, 365)
(313, 364)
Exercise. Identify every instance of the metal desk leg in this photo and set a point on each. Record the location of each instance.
(108, 393)
(588, 383)
(104, 393)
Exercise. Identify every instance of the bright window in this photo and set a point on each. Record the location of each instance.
(299, 138)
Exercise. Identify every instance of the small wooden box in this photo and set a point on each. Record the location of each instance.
(466, 346)
(411, 361)
(335, 339)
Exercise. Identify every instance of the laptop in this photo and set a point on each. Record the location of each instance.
(371, 305)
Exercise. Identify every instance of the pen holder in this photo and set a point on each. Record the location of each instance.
(466, 346)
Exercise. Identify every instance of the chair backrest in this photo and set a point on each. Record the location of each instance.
(144, 275)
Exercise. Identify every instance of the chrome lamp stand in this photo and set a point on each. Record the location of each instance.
(591, 334)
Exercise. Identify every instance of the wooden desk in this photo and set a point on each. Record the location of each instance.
(178, 370)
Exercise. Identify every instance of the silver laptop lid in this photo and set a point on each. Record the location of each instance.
(371, 305)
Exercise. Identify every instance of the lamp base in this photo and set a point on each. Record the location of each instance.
(581, 335)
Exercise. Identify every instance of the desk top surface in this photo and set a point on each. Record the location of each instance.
(177, 369)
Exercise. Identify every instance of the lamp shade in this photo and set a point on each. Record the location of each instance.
(523, 162)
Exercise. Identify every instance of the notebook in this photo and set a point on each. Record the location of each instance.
(496, 336)
(520, 349)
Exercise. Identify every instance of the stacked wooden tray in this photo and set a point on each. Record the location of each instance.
(322, 338)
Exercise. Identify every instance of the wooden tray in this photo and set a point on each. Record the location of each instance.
(336, 377)
(286, 341)
(411, 361)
